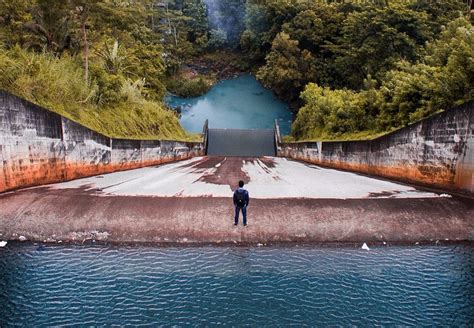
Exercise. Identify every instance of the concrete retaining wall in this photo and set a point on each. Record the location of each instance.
(39, 147)
(437, 152)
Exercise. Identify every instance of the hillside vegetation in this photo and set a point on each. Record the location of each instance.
(95, 62)
(361, 68)
(348, 69)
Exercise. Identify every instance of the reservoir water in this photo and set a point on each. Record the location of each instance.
(239, 103)
(42, 285)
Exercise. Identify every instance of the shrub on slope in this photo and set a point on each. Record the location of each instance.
(111, 104)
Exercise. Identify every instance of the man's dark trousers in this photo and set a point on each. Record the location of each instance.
(244, 214)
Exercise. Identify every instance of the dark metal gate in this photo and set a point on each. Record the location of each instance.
(239, 142)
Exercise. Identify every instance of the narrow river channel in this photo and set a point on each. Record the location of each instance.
(239, 103)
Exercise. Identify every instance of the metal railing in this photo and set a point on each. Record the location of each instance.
(205, 136)
(276, 129)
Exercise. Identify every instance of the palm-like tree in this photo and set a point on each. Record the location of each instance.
(114, 60)
(50, 27)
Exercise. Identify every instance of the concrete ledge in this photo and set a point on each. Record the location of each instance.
(77, 215)
(40, 147)
(436, 152)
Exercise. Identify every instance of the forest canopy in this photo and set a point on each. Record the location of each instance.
(346, 67)
(371, 66)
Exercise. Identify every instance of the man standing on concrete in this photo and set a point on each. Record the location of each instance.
(241, 201)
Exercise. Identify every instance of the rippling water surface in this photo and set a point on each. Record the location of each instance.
(202, 286)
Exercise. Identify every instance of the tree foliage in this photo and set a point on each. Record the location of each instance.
(441, 79)
(359, 66)
(97, 62)
(352, 66)
(373, 40)
(287, 67)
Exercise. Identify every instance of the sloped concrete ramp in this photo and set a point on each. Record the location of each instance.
(240, 142)
(191, 202)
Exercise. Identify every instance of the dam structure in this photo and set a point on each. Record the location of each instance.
(61, 181)
(241, 142)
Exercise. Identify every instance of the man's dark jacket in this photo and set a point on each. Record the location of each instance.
(245, 192)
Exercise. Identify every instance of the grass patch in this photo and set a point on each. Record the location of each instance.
(200, 73)
(58, 84)
(355, 136)
(188, 88)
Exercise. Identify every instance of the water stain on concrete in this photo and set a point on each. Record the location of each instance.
(385, 194)
(229, 171)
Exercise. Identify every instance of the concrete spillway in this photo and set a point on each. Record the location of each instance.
(191, 201)
(241, 142)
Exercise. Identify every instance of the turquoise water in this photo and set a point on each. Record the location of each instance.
(236, 286)
(239, 103)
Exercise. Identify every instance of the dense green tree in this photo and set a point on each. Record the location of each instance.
(357, 66)
(198, 26)
(443, 78)
(440, 13)
(82, 10)
(50, 26)
(374, 39)
(328, 113)
(217, 39)
(347, 41)
(13, 16)
(287, 67)
(114, 60)
(147, 64)
(174, 32)
(255, 40)
(316, 28)
(108, 41)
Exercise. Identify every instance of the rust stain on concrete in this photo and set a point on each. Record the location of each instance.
(40, 147)
(268, 161)
(92, 208)
(433, 176)
(436, 152)
(53, 171)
